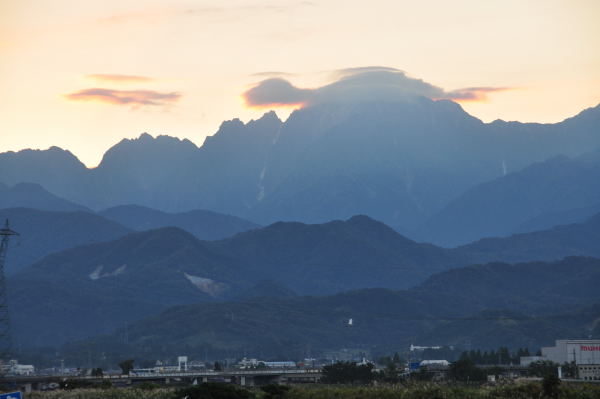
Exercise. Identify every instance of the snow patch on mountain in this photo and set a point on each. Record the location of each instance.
(97, 273)
(206, 285)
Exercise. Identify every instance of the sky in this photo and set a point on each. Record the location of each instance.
(82, 75)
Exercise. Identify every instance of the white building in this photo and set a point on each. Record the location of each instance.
(589, 372)
(13, 367)
(280, 365)
(249, 363)
(580, 351)
(422, 348)
(434, 363)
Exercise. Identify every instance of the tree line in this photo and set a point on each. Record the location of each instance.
(493, 357)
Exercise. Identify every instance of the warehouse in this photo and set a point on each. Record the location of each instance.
(584, 353)
(578, 351)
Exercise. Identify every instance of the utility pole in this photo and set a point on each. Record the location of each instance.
(5, 338)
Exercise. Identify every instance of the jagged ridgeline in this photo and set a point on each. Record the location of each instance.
(413, 163)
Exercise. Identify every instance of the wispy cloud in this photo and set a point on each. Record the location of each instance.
(218, 11)
(117, 78)
(259, 7)
(341, 73)
(272, 74)
(356, 84)
(134, 98)
(474, 93)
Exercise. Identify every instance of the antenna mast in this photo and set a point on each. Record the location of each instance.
(5, 338)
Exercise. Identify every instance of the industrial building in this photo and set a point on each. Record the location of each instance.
(585, 354)
(573, 350)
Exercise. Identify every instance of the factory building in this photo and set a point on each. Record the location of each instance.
(573, 350)
(584, 353)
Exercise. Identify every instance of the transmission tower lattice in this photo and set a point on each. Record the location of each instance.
(5, 338)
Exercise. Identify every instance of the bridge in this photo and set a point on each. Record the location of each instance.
(240, 377)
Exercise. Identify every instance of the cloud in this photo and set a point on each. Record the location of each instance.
(340, 73)
(474, 93)
(275, 92)
(116, 78)
(221, 10)
(358, 84)
(272, 74)
(134, 98)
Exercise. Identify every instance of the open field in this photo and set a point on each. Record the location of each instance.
(415, 391)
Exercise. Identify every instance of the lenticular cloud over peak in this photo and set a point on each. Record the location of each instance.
(357, 84)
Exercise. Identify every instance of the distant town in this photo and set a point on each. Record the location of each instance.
(569, 360)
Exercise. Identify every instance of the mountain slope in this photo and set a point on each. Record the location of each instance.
(495, 329)
(57, 170)
(44, 232)
(143, 273)
(382, 319)
(547, 220)
(29, 195)
(501, 206)
(521, 286)
(340, 255)
(145, 171)
(555, 243)
(97, 287)
(205, 225)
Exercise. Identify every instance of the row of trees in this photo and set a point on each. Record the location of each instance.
(463, 370)
(387, 360)
(348, 373)
(501, 356)
(353, 374)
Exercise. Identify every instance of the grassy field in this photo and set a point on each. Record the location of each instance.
(416, 391)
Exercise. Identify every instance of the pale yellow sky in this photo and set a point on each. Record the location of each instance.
(201, 56)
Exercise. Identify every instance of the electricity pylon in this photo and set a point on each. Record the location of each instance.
(5, 338)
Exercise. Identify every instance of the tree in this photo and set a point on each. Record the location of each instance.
(213, 390)
(390, 374)
(347, 373)
(218, 367)
(569, 370)
(275, 391)
(542, 368)
(385, 360)
(261, 366)
(465, 370)
(97, 372)
(69, 384)
(550, 386)
(126, 366)
(422, 375)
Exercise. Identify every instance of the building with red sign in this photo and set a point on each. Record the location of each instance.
(584, 353)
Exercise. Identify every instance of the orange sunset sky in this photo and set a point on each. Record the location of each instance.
(84, 74)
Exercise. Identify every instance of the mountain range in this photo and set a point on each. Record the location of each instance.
(458, 304)
(406, 162)
(44, 232)
(29, 195)
(205, 225)
(93, 288)
(401, 214)
(560, 190)
(106, 284)
(142, 273)
(554, 243)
